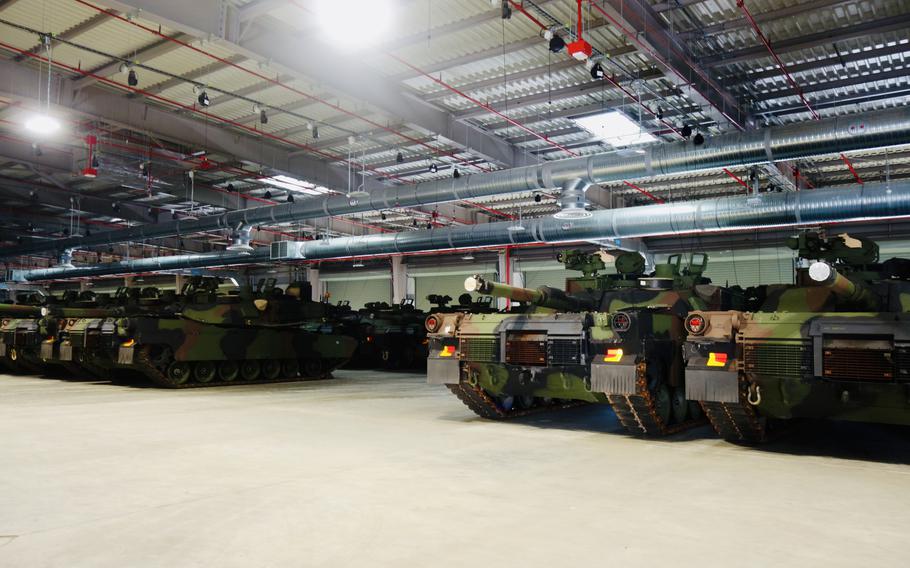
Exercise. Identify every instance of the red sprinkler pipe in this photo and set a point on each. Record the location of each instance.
(741, 4)
(644, 192)
(738, 179)
(846, 160)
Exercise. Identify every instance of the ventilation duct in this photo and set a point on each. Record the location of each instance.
(831, 136)
(572, 201)
(731, 213)
(241, 240)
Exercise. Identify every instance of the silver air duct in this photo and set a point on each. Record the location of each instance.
(572, 201)
(731, 213)
(831, 136)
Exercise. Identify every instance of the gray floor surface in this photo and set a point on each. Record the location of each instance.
(380, 469)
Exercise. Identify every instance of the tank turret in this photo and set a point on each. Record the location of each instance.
(545, 296)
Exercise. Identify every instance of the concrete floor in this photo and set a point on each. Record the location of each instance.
(379, 469)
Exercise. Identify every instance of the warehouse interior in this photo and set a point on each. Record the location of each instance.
(389, 282)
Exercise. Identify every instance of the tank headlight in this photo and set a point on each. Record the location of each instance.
(45, 311)
(696, 324)
(621, 322)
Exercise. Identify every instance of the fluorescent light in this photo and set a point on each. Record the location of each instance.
(293, 184)
(42, 124)
(354, 23)
(615, 128)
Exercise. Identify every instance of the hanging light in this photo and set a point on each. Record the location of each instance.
(433, 168)
(468, 256)
(399, 157)
(596, 69)
(315, 132)
(43, 125)
(456, 174)
(698, 139)
(686, 131)
(263, 117)
(290, 198)
(358, 264)
(268, 194)
(132, 79)
(204, 99)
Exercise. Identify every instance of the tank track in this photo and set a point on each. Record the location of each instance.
(483, 405)
(149, 370)
(638, 412)
(736, 422)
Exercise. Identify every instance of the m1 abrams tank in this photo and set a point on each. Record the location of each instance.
(606, 339)
(19, 337)
(835, 345)
(206, 338)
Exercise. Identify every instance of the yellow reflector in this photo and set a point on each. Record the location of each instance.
(129, 343)
(613, 355)
(717, 359)
(447, 351)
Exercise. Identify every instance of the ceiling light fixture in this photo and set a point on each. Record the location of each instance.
(615, 128)
(204, 99)
(399, 157)
(132, 79)
(433, 168)
(358, 264)
(354, 24)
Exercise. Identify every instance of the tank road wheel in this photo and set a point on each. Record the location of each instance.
(271, 369)
(679, 404)
(249, 370)
(662, 403)
(524, 401)
(290, 368)
(204, 371)
(179, 372)
(228, 371)
(312, 368)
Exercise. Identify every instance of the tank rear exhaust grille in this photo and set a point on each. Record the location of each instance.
(526, 348)
(479, 349)
(565, 352)
(858, 365)
(778, 360)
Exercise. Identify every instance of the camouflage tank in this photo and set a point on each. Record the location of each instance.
(207, 338)
(394, 335)
(20, 339)
(834, 345)
(610, 339)
(79, 333)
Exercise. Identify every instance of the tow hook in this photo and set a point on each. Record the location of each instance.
(753, 396)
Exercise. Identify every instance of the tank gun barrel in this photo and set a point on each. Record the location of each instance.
(19, 310)
(544, 296)
(847, 290)
(68, 312)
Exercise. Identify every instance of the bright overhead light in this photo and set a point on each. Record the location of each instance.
(42, 124)
(355, 23)
(293, 184)
(615, 128)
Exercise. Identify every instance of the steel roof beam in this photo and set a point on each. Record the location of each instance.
(683, 71)
(889, 24)
(217, 18)
(102, 104)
